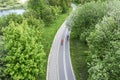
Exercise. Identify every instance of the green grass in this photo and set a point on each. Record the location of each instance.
(79, 55)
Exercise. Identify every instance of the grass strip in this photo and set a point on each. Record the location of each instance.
(79, 53)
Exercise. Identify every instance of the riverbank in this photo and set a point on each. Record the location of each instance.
(11, 7)
(15, 5)
(6, 12)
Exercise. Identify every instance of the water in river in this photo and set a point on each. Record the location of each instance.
(6, 12)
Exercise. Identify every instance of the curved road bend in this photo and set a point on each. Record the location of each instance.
(59, 63)
(64, 62)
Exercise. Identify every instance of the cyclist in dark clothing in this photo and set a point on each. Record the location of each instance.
(67, 37)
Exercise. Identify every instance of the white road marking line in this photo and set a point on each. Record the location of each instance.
(65, 70)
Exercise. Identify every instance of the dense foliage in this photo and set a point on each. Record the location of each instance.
(4, 3)
(41, 10)
(25, 55)
(98, 23)
(85, 1)
(48, 10)
(11, 4)
(104, 44)
(84, 19)
(4, 20)
(50, 13)
(64, 4)
(37, 6)
(22, 55)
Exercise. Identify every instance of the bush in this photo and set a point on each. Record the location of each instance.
(41, 10)
(50, 13)
(83, 20)
(25, 56)
(98, 23)
(4, 20)
(35, 23)
(64, 4)
(104, 44)
(64, 7)
(112, 7)
(54, 2)
(31, 13)
(37, 6)
(85, 1)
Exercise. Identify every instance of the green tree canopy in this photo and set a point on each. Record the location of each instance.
(37, 6)
(83, 20)
(25, 55)
(104, 44)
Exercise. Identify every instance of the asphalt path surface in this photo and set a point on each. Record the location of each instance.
(59, 63)
(64, 64)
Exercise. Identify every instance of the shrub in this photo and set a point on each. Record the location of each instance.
(35, 23)
(85, 1)
(54, 2)
(4, 21)
(64, 4)
(25, 56)
(98, 23)
(83, 20)
(104, 45)
(50, 13)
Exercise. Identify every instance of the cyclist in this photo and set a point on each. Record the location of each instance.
(62, 41)
(67, 37)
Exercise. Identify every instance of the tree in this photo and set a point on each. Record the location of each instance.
(48, 15)
(4, 20)
(64, 4)
(54, 2)
(37, 6)
(85, 1)
(83, 20)
(41, 10)
(25, 55)
(98, 23)
(104, 44)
